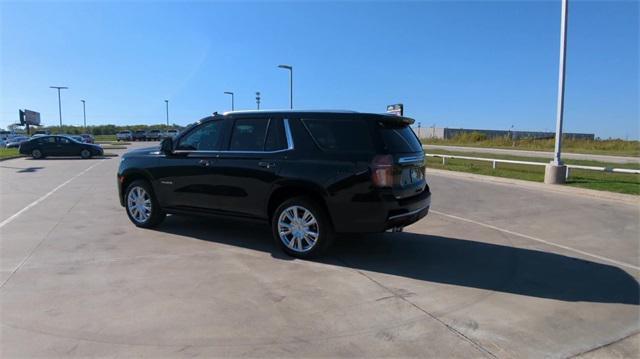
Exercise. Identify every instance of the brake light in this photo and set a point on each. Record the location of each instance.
(382, 171)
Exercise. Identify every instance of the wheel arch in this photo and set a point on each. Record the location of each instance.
(289, 190)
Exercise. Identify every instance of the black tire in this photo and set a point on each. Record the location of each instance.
(323, 228)
(85, 153)
(156, 214)
(37, 154)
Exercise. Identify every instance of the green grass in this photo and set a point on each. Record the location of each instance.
(105, 138)
(602, 147)
(604, 181)
(9, 152)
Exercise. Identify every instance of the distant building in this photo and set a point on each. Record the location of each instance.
(448, 133)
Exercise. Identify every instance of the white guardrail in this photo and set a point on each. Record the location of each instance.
(495, 162)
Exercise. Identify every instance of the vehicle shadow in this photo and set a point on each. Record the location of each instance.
(67, 158)
(23, 169)
(440, 259)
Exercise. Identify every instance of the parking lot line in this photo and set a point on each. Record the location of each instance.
(35, 203)
(622, 264)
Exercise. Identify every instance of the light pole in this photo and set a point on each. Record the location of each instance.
(59, 101)
(84, 114)
(167, 106)
(555, 172)
(290, 68)
(232, 100)
(258, 99)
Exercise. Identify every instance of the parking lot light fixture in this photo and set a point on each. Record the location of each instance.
(232, 99)
(167, 107)
(84, 114)
(59, 100)
(290, 68)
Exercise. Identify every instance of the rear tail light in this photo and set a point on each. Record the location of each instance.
(382, 171)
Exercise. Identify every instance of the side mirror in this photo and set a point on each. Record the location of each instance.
(166, 146)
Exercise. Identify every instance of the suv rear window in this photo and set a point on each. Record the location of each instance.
(348, 135)
(399, 139)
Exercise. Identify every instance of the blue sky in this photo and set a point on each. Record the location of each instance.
(453, 64)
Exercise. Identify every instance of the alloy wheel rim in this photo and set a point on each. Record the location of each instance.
(139, 204)
(36, 153)
(85, 153)
(298, 229)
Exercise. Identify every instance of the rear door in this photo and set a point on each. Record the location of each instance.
(249, 166)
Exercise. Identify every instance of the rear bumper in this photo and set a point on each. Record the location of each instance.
(383, 213)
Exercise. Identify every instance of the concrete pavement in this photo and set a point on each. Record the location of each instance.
(496, 270)
(525, 153)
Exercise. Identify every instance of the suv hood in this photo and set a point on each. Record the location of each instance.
(146, 151)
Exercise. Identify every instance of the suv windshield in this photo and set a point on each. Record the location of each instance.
(399, 139)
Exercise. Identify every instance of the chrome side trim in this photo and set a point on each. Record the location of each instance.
(409, 213)
(411, 159)
(287, 132)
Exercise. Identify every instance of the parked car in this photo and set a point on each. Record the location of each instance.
(171, 133)
(42, 132)
(139, 135)
(14, 142)
(309, 174)
(43, 146)
(87, 138)
(124, 136)
(153, 135)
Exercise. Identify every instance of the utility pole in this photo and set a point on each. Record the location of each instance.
(59, 101)
(555, 172)
(84, 115)
(258, 99)
(232, 99)
(290, 68)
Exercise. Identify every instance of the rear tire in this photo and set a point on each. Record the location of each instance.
(142, 206)
(37, 154)
(302, 228)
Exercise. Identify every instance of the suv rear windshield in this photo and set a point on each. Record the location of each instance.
(399, 139)
(343, 135)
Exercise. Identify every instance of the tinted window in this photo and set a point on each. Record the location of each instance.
(351, 135)
(47, 140)
(276, 139)
(205, 137)
(248, 134)
(399, 139)
(64, 141)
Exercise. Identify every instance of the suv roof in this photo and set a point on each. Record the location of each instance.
(377, 116)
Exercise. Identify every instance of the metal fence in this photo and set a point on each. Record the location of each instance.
(495, 162)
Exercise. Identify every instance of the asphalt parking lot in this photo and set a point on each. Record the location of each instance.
(496, 270)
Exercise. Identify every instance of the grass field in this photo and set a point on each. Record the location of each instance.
(105, 138)
(604, 181)
(8, 152)
(602, 147)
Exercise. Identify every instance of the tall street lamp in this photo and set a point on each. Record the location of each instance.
(290, 68)
(84, 114)
(232, 99)
(59, 101)
(167, 105)
(555, 172)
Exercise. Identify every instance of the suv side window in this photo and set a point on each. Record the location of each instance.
(248, 134)
(343, 135)
(205, 137)
(276, 139)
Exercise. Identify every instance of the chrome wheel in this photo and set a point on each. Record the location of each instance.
(298, 229)
(139, 204)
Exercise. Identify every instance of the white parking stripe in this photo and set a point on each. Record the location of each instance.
(605, 259)
(34, 203)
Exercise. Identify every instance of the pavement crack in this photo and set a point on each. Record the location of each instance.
(404, 298)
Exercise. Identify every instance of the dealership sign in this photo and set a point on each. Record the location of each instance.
(397, 109)
(28, 117)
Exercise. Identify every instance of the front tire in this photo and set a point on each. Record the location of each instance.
(85, 154)
(36, 154)
(302, 228)
(142, 206)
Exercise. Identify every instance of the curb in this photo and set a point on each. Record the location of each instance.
(604, 195)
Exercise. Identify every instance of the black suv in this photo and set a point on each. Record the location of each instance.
(310, 174)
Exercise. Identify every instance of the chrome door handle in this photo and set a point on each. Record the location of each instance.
(266, 164)
(204, 163)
